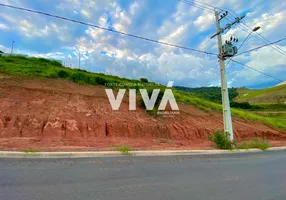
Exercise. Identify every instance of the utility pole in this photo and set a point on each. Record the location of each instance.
(12, 47)
(224, 90)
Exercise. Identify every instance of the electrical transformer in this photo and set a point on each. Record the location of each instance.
(228, 50)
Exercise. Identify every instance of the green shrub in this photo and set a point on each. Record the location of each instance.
(22, 57)
(144, 80)
(254, 144)
(158, 100)
(10, 60)
(124, 149)
(243, 105)
(221, 140)
(44, 60)
(50, 74)
(100, 80)
(81, 70)
(63, 74)
(56, 63)
(78, 77)
(154, 111)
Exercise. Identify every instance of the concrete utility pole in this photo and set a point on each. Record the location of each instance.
(12, 47)
(224, 90)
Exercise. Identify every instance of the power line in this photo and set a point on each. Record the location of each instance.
(192, 3)
(278, 48)
(257, 70)
(108, 29)
(239, 47)
(257, 35)
(267, 41)
(248, 30)
(261, 46)
(244, 26)
(206, 5)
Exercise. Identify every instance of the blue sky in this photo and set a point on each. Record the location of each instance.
(165, 20)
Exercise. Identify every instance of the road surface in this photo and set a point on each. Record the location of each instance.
(234, 176)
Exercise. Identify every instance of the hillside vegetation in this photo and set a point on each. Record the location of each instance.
(214, 94)
(272, 95)
(40, 67)
(210, 93)
(269, 102)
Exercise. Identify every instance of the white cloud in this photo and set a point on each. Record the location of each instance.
(176, 35)
(3, 26)
(178, 23)
(262, 61)
(85, 13)
(204, 21)
(266, 60)
(135, 7)
(4, 49)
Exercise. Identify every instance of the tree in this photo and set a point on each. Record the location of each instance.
(144, 80)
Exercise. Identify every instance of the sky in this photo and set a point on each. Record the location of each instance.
(170, 21)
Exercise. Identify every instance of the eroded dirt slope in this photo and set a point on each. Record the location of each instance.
(57, 114)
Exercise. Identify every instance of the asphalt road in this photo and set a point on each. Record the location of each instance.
(235, 176)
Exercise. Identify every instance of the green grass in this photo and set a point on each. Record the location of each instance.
(243, 114)
(124, 150)
(254, 144)
(40, 67)
(276, 115)
(221, 141)
(30, 150)
(270, 106)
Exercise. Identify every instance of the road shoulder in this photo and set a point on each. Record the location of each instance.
(86, 154)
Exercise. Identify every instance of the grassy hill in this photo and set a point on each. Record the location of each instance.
(210, 93)
(40, 67)
(270, 102)
(275, 94)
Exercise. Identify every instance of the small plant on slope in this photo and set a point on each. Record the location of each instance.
(221, 140)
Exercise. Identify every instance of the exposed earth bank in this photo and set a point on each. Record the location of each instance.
(51, 114)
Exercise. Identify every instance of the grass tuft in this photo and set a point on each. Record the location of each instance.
(254, 144)
(124, 150)
(31, 150)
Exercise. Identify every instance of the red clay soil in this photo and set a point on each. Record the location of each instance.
(51, 114)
